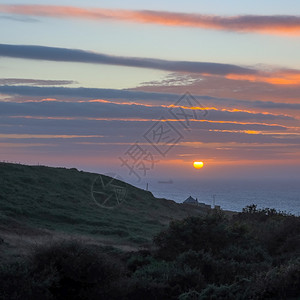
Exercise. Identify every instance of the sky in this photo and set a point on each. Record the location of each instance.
(144, 89)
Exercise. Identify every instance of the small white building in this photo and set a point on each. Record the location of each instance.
(191, 200)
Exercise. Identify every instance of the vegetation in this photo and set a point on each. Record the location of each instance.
(254, 254)
(210, 257)
(39, 201)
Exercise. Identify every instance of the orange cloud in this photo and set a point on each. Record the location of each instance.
(277, 24)
(282, 77)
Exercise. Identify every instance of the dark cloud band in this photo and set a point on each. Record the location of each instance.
(133, 95)
(122, 111)
(81, 56)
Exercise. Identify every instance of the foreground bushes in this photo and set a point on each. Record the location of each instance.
(69, 270)
(254, 255)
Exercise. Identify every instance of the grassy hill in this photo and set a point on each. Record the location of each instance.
(39, 203)
(55, 243)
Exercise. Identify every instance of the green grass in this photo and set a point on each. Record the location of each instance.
(59, 199)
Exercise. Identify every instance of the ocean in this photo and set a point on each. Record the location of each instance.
(234, 194)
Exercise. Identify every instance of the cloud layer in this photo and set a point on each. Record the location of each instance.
(229, 71)
(276, 24)
(75, 55)
(107, 110)
(13, 81)
(77, 94)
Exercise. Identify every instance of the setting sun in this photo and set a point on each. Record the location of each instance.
(198, 164)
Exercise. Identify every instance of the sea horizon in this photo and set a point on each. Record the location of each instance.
(231, 194)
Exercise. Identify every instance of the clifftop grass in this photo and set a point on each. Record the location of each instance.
(59, 200)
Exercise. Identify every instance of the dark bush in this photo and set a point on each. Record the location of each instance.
(18, 282)
(282, 282)
(137, 289)
(135, 261)
(81, 271)
(177, 277)
(236, 291)
(210, 233)
(276, 231)
(190, 295)
(217, 270)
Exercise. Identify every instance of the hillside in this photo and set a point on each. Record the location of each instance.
(39, 203)
(58, 242)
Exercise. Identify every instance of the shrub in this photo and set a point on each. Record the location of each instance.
(137, 289)
(237, 291)
(177, 277)
(81, 272)
(254, 254)
(281, 282)
(210, 233)
(190, 295)
(18, 282)
(137, 261)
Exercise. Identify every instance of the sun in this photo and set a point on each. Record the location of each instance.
(198, 164)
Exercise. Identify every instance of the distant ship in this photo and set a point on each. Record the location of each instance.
(166, 181)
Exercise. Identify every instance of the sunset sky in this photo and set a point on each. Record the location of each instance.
(89, 84)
